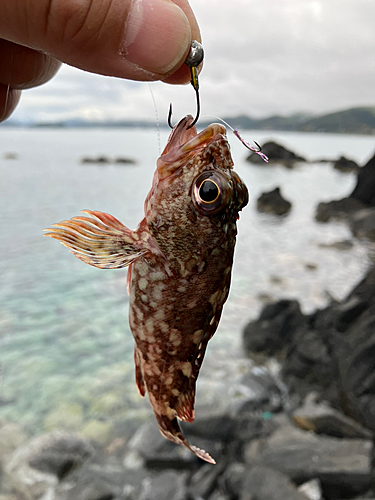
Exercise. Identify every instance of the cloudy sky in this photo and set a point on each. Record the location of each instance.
(262, 57)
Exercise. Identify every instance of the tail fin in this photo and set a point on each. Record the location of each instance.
(171, 431)
(99, 240)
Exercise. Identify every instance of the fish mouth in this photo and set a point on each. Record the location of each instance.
(184, 143)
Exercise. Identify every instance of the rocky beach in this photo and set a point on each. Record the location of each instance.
(292, 418)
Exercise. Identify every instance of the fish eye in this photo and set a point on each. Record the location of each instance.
(211, 192)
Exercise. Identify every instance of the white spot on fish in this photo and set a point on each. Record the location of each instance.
(197, 336)
(159, 315)
(157, 276)
(150, 326)
(187, 369)
(142, 284)
(164, 327)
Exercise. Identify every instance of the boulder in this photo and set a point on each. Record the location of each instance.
(323, 419)
(204, 481)
(34, 470)
(169, 485)
(276, 154)
(61, 453)
(308, 364)
(102, 479)
(274, 329)
(362, 224)
(363, 196)
(345, 165)
(10, 156)
(355, 354)
(338, 209)
(265, 483)
(273, 202)
(125, 161)
(101, 160)
(341, 465)
(149, 448)
(364, 190)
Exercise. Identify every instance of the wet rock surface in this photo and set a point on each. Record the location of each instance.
(273, 202)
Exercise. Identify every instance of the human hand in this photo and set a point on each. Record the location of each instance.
(133, 39)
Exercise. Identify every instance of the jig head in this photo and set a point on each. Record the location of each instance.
(193, 60)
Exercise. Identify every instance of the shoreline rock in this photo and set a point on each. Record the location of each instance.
(273, 202)
(277, 154)
(358, 209)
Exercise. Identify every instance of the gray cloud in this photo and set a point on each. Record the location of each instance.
(262, 57)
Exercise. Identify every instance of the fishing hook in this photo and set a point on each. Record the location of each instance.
(193, 60)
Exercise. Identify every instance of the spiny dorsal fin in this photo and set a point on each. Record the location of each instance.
(99, 240)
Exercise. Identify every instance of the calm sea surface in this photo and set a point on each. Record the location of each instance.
(64, 335)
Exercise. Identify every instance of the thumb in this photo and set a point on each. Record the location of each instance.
(134, 39)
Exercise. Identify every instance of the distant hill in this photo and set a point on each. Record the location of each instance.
(349, 121)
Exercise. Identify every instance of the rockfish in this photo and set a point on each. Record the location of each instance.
(180, 260)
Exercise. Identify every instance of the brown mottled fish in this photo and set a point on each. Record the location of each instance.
(180, 259)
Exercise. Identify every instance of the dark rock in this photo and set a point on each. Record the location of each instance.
(274, 329)
(264, 483)
(364, 191)
(337, 209)
(232, 479)
(363, 196)
(355, 354)
(100, 159)
(338, 245)
(218, 495)
(149, 447)
(64, 450)
(125, 161)
(276, 154)
(169, 485)
(308, 365)
(322, 419)
(342, 465)
(204, 481)
(219, 427)
(10, 156)
(62, 454)
(102, 480)
(345, 165)
(273, 202)
(362, 224)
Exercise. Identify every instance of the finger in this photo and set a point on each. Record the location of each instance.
(9, 99)
(135, 39)
(23, 68)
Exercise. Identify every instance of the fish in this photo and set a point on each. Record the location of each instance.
(180, 263)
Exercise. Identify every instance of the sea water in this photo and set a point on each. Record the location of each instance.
(65, 341)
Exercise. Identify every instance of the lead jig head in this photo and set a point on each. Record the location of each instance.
(193, 60)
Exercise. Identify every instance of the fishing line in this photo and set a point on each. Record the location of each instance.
(156, 116)
(8, 87)
(246, 144)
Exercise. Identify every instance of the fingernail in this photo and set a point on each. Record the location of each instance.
(157, 35)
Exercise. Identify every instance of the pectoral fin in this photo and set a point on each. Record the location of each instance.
(99, 240)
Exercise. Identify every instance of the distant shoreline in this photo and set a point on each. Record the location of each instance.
(359, 121)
